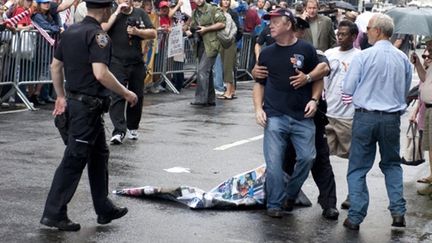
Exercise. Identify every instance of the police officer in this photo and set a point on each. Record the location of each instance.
(84, 54)
(127, 27)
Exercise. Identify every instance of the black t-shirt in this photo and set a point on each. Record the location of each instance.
(265, 37)
(127, 49)
(81, 45)
(281, 61)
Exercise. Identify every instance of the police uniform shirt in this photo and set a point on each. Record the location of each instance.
(127, 49)
(81, 45)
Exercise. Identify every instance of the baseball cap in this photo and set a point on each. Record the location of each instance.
(43, 1)
(97, 3)
(280, 12)
(163, 4)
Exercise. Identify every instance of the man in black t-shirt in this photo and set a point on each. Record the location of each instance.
(285, 111)
(127, 27)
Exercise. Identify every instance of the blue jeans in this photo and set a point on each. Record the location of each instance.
(278, 131)
(218, 74)
(368, 129)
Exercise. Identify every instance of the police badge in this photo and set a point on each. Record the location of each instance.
(102, 40)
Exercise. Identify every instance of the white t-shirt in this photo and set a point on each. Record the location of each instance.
(339, 63)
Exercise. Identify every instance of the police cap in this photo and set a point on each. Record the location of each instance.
(301, 23)
(98, 3)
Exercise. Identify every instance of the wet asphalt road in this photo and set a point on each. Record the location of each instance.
(172, 133)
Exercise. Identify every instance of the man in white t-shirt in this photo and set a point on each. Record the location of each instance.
(340, 110)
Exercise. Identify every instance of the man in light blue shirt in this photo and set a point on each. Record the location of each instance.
(378, 79)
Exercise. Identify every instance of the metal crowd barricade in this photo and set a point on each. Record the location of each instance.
(245, 54)
(189, 64)
(26, 59)
(161, 59)
(7, 64)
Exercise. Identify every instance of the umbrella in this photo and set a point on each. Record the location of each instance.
(412, 20)
(343, 5)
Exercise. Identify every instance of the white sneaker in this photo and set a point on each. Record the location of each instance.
(132, 134)
(217, 92)
(117, 139)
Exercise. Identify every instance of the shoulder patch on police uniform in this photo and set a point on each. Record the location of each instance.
(102, 40)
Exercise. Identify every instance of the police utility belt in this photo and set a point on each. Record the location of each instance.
(94, 103)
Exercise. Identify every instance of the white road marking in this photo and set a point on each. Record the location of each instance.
(248, 140)
(13, 111)
(177, 170)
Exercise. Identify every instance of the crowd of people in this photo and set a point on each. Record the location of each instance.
(364, 95)
(319, 91)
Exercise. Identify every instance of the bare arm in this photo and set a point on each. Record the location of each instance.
(173, 10)
(65, 5)
(107, 79)
(419, 67)
(257, 50)
(258, 100)
(142, 33)
(300, 80)
(58, 82)
(312, 105)
(107, 25)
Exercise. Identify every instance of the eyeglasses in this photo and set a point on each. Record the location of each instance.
(426, 56)
(369, 27)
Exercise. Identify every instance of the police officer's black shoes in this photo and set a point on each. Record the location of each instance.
(398, 221)
(64, 224)
(116, 213)
(346, 204)
(289, 205)
(330, 213)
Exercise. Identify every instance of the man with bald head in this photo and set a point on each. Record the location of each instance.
(378, 79)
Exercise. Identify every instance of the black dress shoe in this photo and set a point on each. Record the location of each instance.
(330, 213)
(116, 213)
(211, 104)
(65, 224)
(275, 212)
(198, 104)
(347, 223)
(346, 204)
(398, 221)
(289, 205)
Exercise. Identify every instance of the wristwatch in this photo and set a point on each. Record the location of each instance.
(316, 101)
(308, 78)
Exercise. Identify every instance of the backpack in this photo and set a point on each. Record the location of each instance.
(226, 36)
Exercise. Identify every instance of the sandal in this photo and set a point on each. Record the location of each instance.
(425, 180)
(224, 97)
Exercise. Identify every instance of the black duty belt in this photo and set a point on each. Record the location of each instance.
(92, 102)
(428, 105)
(378, 112)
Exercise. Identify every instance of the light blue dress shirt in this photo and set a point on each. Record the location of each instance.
(379, 78)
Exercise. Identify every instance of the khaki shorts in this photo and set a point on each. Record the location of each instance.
(427, 132)
(339, 136)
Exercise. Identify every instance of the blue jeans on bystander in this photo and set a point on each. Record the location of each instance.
(368, 129)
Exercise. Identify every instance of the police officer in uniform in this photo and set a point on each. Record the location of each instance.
(84, 54)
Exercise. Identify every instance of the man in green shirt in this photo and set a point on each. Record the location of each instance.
(206, 21)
